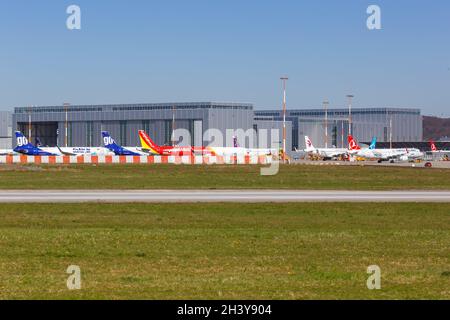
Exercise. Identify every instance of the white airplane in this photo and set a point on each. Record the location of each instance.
(325, 153)
(254, 151)
(148, 144)
(381, 155)
(444, 154)
(434, 149)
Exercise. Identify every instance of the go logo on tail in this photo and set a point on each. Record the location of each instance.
(108, 141)
(22, 141)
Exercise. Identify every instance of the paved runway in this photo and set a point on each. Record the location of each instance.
(71, 196)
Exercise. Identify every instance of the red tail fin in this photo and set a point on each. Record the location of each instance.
(148, 143)
(352, 145)
(433, 146)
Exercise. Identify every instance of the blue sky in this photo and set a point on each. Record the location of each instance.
(233, 51)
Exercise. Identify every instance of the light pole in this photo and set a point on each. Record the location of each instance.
(284, 79)
(325, 105)
(29, 124)
(390, 132)
(66, 124)
(173, 126)
(350, 98)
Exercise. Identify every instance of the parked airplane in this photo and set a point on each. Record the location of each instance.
(25, 147)
(112, 146)
(325, 153)
(247, 151)
(384, 154)
(149, 146)
(435, 149)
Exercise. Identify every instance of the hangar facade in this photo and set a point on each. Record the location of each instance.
(81, 125)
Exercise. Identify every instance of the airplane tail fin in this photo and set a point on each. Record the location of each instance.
(148, 144)
(109, 142)
(22, 141)
(25, 147)
(111, 145)
(433, 146)
(352, 145)
(308, 144)
(373, 145)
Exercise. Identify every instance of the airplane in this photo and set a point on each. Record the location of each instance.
(251, 151)
(434, 149)
(325, 153)
(25, 147)
(384, 154)
(151, 147)
(112, 146)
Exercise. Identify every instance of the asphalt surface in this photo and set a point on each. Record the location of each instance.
(71, 196)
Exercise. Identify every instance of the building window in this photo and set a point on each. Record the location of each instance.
(168, 132)
(123, 133)
(89, 134)
(146, 126)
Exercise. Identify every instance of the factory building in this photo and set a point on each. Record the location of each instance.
(81, 125)
(398, 125)
(211, 122)
(5, 129)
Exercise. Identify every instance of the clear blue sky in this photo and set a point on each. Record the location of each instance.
(226, 50)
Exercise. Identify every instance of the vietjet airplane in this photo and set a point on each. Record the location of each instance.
(113, 147)
(151, 147)
(325, 153)
(384, 154)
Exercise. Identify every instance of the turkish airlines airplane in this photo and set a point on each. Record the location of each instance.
(391, 155)
(435, 149)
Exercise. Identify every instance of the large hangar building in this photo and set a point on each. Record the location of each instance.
(84, 123)
(396, 124)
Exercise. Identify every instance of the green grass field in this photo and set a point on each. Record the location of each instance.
(225, 251)
(221, 177)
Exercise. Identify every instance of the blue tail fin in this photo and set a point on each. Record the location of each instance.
(111, 145)
(25, 147)
(373, 145)
(109, 142)
(22, 141)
